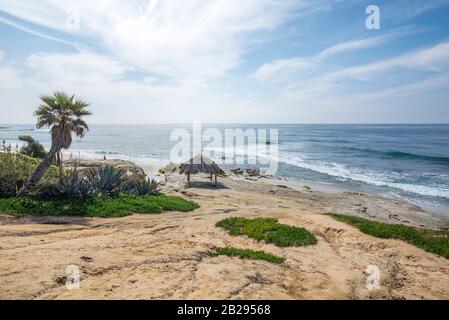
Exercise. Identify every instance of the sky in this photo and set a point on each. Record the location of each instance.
(220, 61)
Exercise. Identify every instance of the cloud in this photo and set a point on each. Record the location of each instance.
(181, 39)
(79, 68)
(117, 91)
(409, 9)
(433, 59)
(429, 60)
(34, 32)
(294, 65)
(434, 82)
(9, 76)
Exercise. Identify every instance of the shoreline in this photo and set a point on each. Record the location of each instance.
(152, 166)
(339, 197)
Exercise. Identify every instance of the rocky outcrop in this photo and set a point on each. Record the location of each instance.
(126, 166)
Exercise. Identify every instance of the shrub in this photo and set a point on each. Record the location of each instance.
(250, 254)
(15, 169)
(32, 148)
(8, 185)
(95, 207)
(144, 187)
(268, 230)
(106, 181)
(435, 241)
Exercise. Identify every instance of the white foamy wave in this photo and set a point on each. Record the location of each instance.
(380, 179)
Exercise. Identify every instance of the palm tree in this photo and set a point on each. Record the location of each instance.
(63, 115)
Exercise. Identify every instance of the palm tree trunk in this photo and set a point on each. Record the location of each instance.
(59, 161)
(41, 169)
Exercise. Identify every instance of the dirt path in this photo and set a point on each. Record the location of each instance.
(168, 256)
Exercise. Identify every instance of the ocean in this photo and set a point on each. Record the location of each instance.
(401, 161)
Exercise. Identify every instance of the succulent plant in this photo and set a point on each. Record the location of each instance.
(106, 181)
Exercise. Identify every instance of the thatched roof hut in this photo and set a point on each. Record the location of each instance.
(199, 164)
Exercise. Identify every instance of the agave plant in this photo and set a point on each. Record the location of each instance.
(106, 181)
(145, 187)
(72, 185)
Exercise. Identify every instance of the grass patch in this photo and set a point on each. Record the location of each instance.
(268, 230)
(96, 207)
(250, 254)
(434, 241)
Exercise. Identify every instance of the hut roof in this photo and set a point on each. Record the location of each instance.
(198, 164)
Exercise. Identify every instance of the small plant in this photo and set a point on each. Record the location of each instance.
(435, 241)
(95, 207)
(32, 148)
(250, 254)
(15, 168)
(145, 187)
(268, 230)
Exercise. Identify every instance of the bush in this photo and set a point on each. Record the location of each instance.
(95, 207)
(106, 181)
(71, 185)
(32, 148)
(8, 185)
(435, 241)
(250, 254)
(268, 230)
(15, 169)
(144, 187)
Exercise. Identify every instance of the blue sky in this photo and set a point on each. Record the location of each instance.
(286, 61)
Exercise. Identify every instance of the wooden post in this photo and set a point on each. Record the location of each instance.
(215, 179)
(188, 178)
(211, 177)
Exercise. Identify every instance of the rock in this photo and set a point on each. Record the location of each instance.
(126, 166)
(237, 171)
(170, 168)
(253, 172)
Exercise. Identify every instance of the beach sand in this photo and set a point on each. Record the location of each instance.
(169, 256)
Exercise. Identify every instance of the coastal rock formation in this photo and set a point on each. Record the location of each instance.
(126, 166)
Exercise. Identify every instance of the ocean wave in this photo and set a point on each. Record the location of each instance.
(403, 155)
(379, 179)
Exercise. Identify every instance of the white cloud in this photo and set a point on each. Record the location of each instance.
(294, 65)
(183, 39)
(82, 68)
(33, 32)
(9, 77)
(434, 59)
(115, 91)
(430, 60)
(431, 83)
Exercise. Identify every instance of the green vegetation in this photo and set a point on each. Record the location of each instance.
(32, 148)
(268, 230)
(95, 207)
(64, 115)
(307, 187)
(145, 187)
(434, 241)
(251, 254)
(15, 169)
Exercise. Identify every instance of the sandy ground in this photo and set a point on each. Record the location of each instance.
(168, 256)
